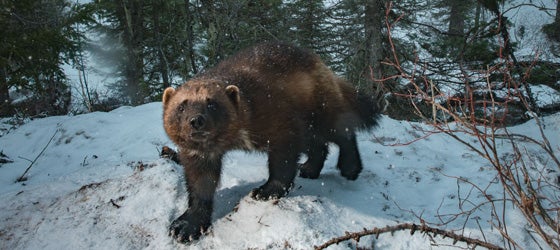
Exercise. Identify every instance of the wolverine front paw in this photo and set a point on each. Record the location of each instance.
(270, 190)
(168, 153)
(185, 230)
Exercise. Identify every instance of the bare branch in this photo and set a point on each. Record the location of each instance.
(23, 177)
(413, 228)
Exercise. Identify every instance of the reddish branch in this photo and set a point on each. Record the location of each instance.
(413, 228)
(520, 187)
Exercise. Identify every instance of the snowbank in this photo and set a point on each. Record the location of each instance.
(100, 185)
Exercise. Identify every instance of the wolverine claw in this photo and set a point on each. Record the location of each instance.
(185, 232)
(168, 153)
(269, 191)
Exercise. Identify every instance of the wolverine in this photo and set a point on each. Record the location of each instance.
(274, 98)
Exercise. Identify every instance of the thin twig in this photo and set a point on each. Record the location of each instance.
(22, 177)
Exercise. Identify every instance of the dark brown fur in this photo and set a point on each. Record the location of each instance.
(275, 98)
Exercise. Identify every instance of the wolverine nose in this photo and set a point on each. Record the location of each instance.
(198, 122)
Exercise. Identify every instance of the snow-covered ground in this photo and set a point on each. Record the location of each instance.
(527, 19)
(100, 184)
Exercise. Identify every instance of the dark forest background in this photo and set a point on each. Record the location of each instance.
(153, 44)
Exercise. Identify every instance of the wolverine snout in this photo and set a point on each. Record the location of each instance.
(198, 122)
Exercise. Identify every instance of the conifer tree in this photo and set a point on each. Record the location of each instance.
(39, 37)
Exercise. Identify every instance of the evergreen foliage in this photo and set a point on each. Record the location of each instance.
(38, 37)
(155, 44)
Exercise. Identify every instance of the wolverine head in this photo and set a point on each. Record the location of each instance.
(200, 114)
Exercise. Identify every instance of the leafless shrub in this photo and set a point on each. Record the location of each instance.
(524, 166)
(477, 120)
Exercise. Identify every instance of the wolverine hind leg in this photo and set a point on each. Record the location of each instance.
(349, 161)
(317, 152)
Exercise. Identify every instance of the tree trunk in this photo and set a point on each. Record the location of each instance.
(130, 14)
(477, 15)
(211, 22)
(373, 24)
(557, 20)
(190, 37)
(307, 25)
(456, 18)
(163, 65)
(5, 106)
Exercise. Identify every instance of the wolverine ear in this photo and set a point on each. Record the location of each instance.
(167, 94)
(232, 92)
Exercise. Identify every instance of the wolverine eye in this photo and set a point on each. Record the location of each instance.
(211, 104)
(181, 108)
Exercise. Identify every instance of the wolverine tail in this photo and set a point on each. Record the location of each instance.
(368, 105)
